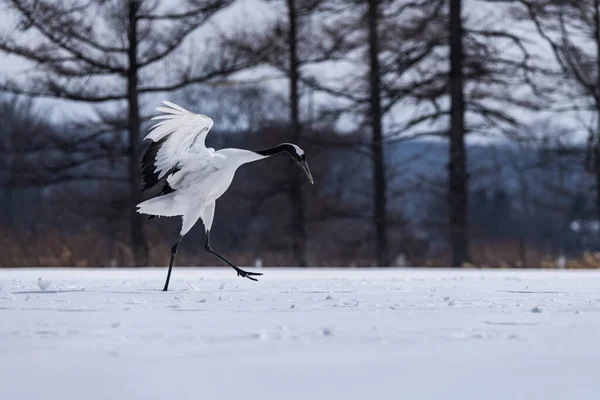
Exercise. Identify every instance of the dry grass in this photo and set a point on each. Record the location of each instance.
(85, 249)
(56, 249)
(512, 254)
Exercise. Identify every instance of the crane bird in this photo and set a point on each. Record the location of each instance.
(194, 175)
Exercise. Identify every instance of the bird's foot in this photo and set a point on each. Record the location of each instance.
(246, 274)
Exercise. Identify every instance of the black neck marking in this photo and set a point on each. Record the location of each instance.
(281, 148)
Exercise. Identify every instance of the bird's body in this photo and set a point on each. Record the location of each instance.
(196, 185)
(194, 176)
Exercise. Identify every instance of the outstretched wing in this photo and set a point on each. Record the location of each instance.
(179, 134)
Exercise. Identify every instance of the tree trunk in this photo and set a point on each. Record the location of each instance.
(458, 182)
(597, 101)
(379, 185)
(298, 230)
(138, 242)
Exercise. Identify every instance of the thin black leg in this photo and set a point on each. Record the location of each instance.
(240, 272)
(173, 253)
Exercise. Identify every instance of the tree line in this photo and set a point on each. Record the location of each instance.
(353, 81)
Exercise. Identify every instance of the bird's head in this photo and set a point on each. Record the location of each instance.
(298, 155)
(294, 151)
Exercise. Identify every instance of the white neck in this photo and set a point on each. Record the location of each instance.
(240, 156)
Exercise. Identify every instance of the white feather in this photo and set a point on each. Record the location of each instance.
(165, 116)
(168, 110)
(185, 134)
(163, 205)
(175, 106)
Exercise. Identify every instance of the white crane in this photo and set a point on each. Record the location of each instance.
(195, 176)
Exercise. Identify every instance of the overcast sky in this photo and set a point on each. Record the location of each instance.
(256, 12)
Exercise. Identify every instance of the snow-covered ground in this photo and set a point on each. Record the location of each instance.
(299, 334)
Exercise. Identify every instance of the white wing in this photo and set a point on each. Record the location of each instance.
(178, 135)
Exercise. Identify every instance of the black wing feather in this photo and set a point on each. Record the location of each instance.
(149, 175)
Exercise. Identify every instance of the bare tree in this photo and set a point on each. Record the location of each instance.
(386, 46)
(375, 117)
(572, 31)
(489, 75)
(101, 51)
(291, 46)
(298, 228)
(458, 194)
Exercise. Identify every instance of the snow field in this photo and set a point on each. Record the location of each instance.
(299, 334)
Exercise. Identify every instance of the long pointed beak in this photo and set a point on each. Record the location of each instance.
(304, 166)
